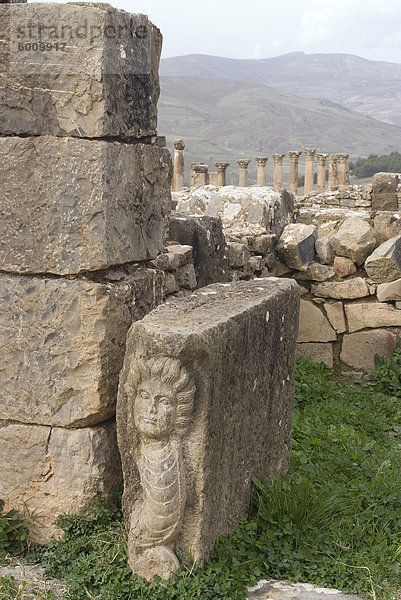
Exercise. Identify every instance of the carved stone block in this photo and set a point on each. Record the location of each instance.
(204, 404)
(80, 69)
(69, 206)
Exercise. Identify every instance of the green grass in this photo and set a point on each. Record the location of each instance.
(334, 520)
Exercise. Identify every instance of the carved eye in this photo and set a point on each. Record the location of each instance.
(144, 395)
(164, 401)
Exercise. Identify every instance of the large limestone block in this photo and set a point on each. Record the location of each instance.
(372, 314)
(317, 352)
(101, 80)
(63, 344)
(335, 315)
(205, 235)
(69, 205)
(384, 191)
(359, 349)
(296, 247)
(313, 325)
(204, 405)
(47, 471)
(384, 264)
(355, 239)
(349, 289)
(389, 291)
(259, 209)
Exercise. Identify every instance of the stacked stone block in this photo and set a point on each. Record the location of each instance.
(84, 205)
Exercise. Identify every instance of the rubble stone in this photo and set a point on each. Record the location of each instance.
(324, 250)
(317, 272)
(384, 264)
(176, 255)
(384, 191)
(103, 82)
(237, 254)
(355, 239)
(349, 289)
(335, 314)
(344, 266)
(358, 349)
(313, 325)
(296, 247)
(389, 291)
(372, 314)
(72, 205)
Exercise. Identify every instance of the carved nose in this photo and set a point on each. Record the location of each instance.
(152, 406)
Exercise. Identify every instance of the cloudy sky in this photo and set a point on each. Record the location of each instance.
(265, 28)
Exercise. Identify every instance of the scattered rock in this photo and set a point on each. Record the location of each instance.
(237, 254)
(389, 291)
(349, 289)
(355, 239)
(317, 272)
(387, 226)
(344, 266)
(359, 349)
(324, 250)
(384, 191)
(384, 264)
(296, 247)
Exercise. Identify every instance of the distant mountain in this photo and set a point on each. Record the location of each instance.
(227, 119)
(372, 88)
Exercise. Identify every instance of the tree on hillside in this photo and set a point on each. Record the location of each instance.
(366, 167)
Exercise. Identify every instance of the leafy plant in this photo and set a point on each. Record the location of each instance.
(13, 532)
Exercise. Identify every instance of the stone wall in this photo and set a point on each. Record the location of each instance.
(84, 210)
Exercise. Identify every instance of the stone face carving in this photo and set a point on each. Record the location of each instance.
(160, 392)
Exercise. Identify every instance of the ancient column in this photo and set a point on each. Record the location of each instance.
(243, 172)
(321, 172)
(332, 183)
(178, 173)
(261, 170)
(201, 174)
(309, 168)
(294, 158)
(221, 172)
(342, 168)
(278, 170)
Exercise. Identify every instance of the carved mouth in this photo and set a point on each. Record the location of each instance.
(150, 421)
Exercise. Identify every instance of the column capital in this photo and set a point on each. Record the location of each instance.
(179, 144)
(243, 164)
(321, 158)
(261, 160)
(342, 157)
(332, 158)
(278, 157)
(294, 154)
(310, 152)
(221, 166)
(200, 168)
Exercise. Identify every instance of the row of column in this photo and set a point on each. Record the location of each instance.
(338, 170)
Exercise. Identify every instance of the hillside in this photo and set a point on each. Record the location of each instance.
(370, 87)
(226, 119)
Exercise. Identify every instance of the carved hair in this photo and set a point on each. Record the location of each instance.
(173, 373)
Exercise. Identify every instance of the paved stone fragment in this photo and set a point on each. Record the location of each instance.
(317, 352)
(222, 363)
(101, 81)
(296, 247)
(349, 289)
(358, 349)
(69, 205)
(263, 209)
(384, 264)
(324, 250)
(355, 239)
(389, 291)
(205, 235)
(335, 314)
(384, 191)
(63, 345)
(313, 325)
(371, 314)
(46, 471)
(344, 266)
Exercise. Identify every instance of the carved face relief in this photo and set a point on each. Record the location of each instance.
(155, 409)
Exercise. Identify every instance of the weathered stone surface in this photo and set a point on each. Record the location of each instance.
(228, 355)
(261, 244)
(63, 344)
(317, 352)
(237, 254)
(384, 191)
(69, 205)
(313, 325)
(186, 277)
(355, 239)
(387, 226)
(176, 255)
(349, 289)
(324, 250)
(384, 264)
(317, 272)
(102, 81)
(263, 209)
(47, 471)
(296, 247)
(170, 284)
(372, 314)
(205, 235)
(389, 291)
(281, 590)
(335, 314)
(344, 266)
(358, 349)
